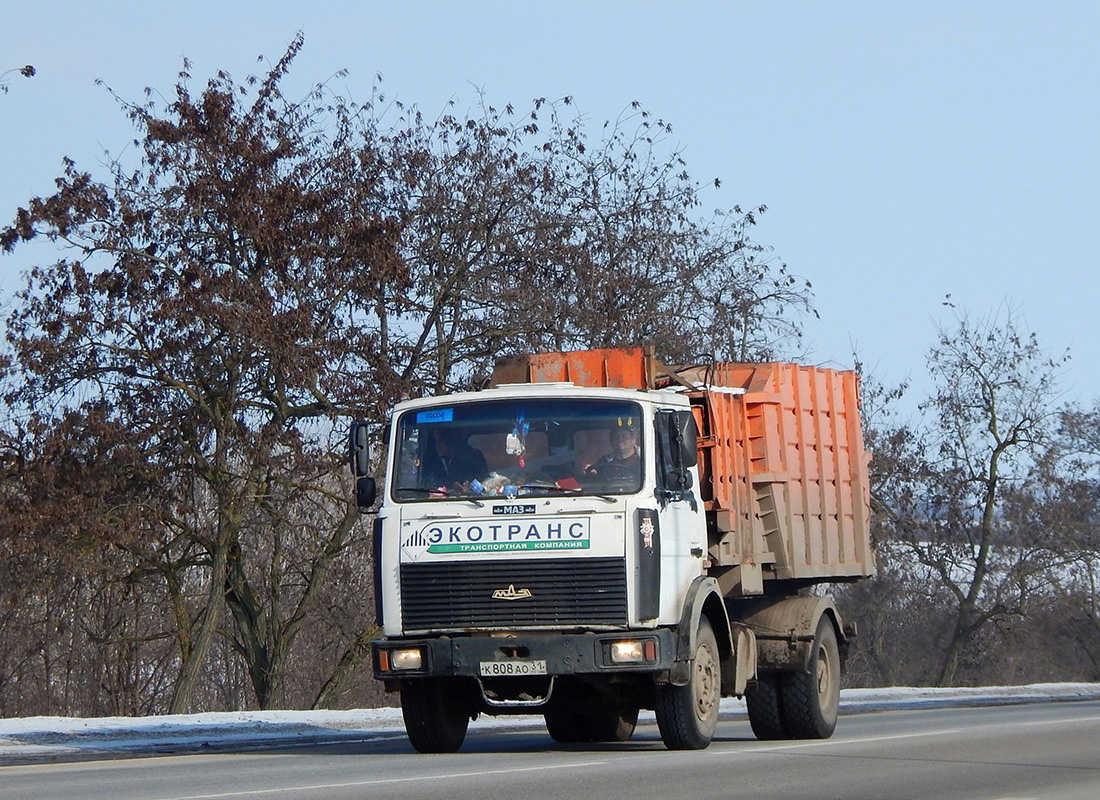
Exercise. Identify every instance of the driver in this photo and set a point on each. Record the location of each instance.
(624, 458)
(456, 461)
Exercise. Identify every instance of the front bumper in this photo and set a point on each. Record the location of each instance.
(563, 654)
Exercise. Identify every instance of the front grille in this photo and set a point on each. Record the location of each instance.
(563, 593)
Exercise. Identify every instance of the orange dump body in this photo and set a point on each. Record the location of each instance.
(783, 472)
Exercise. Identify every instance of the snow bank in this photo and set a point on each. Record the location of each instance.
(59, 738)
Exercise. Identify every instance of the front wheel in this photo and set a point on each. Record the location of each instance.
(687, 715)
(434, 723)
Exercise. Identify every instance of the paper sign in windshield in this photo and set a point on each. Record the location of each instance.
(435, 415)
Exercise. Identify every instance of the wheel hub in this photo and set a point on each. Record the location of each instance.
(706, 682)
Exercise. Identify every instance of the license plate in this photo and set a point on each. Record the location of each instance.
(513, 667)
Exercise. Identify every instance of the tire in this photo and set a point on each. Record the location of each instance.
(612, 725)
(810, 700)
(765, 714)
(608, 725)
(688, 715)
(433, 722)
(565, 727)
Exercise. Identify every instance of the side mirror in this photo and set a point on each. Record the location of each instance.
(366, 491)
(678, 441)
(359, 443)
(684, 439)
(366, 488)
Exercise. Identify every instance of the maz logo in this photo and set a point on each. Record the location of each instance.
(511, 593)
(515, 508)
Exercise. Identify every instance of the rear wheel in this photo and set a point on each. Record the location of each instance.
(612, 725)
(433, 722)
(605, 725)
(811, 699)
(565, 727)
(765, 714)
(687, 715)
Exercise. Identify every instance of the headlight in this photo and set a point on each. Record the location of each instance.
(626, 652)
(406, 660)
(634, 651)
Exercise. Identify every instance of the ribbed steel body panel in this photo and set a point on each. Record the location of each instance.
(562, 593)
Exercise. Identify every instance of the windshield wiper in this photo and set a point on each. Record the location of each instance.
(419, 490)
(567, 489)
(544, 485)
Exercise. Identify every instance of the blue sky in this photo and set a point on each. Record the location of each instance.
(904, 151)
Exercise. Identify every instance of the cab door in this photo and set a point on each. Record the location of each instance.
(680, 515)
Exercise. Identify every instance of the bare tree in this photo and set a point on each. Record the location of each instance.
(989, 421)
(524, 233)
(1071, 508)
(210, 321)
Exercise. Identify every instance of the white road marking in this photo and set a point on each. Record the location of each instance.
(825, 742)
(870, 739)
(1052, 722)
(381, 781)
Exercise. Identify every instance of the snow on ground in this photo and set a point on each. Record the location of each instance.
(26, 739)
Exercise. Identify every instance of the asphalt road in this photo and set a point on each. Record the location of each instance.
(1049, 751)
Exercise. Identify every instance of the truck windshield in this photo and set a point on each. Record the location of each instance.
(518, 448)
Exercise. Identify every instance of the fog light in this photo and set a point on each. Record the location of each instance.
(406, 659)
(628, 652)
